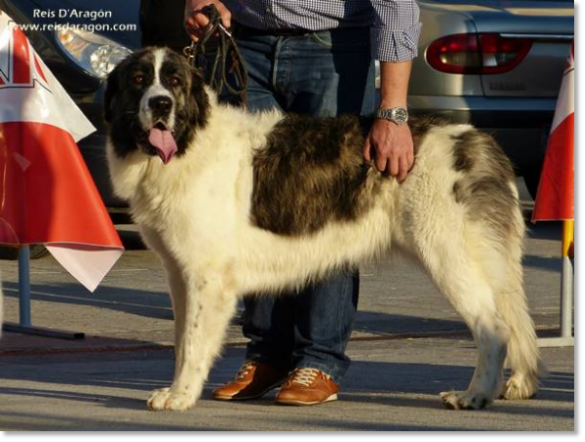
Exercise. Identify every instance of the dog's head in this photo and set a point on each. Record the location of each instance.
(154, 101)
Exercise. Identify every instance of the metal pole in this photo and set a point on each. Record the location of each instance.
(24, 285)
(566, 338)
(25, 325)
(567, 280)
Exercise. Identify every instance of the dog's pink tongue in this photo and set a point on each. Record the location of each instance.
(163, 141)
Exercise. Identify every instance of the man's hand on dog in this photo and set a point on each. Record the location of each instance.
(388, 145)
(391, 148)
(196, 21)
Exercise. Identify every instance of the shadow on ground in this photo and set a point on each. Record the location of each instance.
(148, 370)
(135, 301)
(157, 305)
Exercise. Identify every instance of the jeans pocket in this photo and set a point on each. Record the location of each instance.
(323, 38)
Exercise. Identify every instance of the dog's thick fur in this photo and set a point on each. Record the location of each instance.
(263, 202)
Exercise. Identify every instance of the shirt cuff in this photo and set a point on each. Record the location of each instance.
(394, 46)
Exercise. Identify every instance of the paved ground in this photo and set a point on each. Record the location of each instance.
(408, 345)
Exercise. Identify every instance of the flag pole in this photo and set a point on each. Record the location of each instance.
(556, 195)
(567, 280)
(25, 324)
(24, 285)
(566, 338)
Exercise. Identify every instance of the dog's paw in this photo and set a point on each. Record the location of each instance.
(464, 400)
(518, 388)
(167, 399)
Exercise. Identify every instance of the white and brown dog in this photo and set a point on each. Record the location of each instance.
(235, 203)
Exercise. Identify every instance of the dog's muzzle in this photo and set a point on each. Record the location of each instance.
(160, 136)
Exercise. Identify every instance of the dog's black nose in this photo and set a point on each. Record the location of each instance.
(161, 104)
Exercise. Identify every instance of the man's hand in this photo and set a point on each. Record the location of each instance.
(195, 21)
(391, 148)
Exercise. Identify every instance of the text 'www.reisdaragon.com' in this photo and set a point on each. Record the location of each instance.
(87, 27)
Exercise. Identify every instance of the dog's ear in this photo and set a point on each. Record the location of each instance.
(112, 89)
(197, 81)
(197, 78)
(199, 97)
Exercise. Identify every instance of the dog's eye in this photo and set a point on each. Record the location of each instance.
(175, 81)
(138, 79)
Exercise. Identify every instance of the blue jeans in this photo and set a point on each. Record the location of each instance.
(324, 73)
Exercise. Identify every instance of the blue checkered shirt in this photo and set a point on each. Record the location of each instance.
(395, 23)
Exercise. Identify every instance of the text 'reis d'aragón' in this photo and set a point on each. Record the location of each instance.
(72, 13)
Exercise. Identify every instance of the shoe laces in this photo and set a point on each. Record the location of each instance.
(305, 376)
(245, 369)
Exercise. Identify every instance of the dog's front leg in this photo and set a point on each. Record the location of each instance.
(209, 306)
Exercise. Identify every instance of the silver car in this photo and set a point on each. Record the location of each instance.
(497, 64)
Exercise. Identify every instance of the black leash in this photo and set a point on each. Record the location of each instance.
(228, 69)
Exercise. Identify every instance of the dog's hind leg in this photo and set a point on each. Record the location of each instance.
(209, 306)
(523, 354)
(460, 278)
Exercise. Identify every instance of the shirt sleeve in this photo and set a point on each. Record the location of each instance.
(396, 30)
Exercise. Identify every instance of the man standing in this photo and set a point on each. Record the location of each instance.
(317, 58)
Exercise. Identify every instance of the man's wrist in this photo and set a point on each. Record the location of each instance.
(397, 114)
(386, 103)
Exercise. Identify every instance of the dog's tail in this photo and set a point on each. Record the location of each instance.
(523, 355)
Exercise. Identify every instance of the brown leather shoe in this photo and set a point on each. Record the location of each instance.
(307, 386)
(254, 380)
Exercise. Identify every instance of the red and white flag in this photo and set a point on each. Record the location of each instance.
(555, 199)
(47, 195)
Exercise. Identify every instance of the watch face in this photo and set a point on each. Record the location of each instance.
(400, 115)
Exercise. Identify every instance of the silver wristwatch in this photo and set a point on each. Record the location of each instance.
(398, 115)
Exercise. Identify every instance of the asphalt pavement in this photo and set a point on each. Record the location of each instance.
(407, 346)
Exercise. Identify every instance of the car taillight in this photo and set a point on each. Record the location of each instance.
(484, 53)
